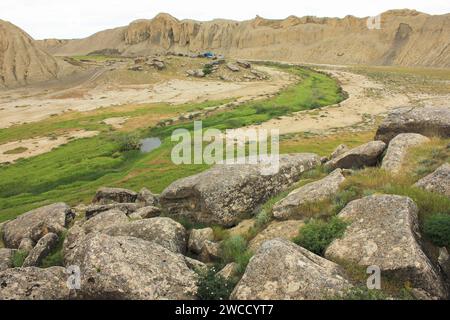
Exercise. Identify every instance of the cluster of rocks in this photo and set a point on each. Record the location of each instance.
(143, 63)
(128, 245)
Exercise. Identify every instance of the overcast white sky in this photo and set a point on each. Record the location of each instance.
(80, 18)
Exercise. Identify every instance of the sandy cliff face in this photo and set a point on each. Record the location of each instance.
(406, 38)
(21, 60)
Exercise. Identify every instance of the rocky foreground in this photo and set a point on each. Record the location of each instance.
(129, 245)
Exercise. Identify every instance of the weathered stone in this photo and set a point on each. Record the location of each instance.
(104, 220)
(316, 191)
(243, 228)
(227, 193)
(37, 223)
(146, 213)
(244, 64)
(384, 232)
(146, 198)
(438, 181)
(195, 265)
(229, 271)
(428, 121)
(233, 67)
(34, 284)
(163, 231)
(363, 156)
(281, 270)
(127, 208)
(197, 238)
(340, 149)
(210, 251)
(287, 230)
(6, 256)
(130, 268)
(114, 195)
(26, 245)
(444, 263)
(42, 249)
(398, 149)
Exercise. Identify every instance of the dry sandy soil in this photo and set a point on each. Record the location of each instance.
(35, 106)
(39, 145)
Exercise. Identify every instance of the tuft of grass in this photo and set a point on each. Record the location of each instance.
(437, 229)
(317, 235)
(234, 249)
(19, 258)
(16, 150)
(212, 286)
(55, 258)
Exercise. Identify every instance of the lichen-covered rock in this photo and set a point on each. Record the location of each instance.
(37, 223)
(6, 256)
(340, 149)
(42, 249)
(26, 245)
(428, 121)
(163, 231)
(229, 271)
(130, 268)
(313, 192)
(281, 270)
(242, 228)
(146, 213)
(365, 155)
(438, 181)
(287, 230)
(197, 238)
(398, 149)
(104, 220)
(146, 198)
(211, 251)
(127, 208)
(384, 232)
(114, 195)
(226, 193)
(195, 265)
(34, 284)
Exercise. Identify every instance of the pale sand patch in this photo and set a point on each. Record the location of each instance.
(19, 109)
(117, 122)
(353, 111)
(40, 145)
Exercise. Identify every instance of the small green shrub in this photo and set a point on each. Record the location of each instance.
(128, 142)
(437, 229)
(19, 258)
(55, 258)
(207, 69)
(212, 286)
(344, 197)
(317, 235)
(234, 249)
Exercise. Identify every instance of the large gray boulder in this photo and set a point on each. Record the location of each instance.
(365, 155)
(6, 256)
(226, 193)
(198, 237)
(313, 192)
(428, 121)
(130, 268)
(146, 213)
(287, 230)
(114, 195)
(281, 270)
(104, 220)
(37, 223)
(42, 249)
(34, 284)
(163, 231)
(384, 232)
(147, 198)
(438, 181)
(95, 209)
(398, 150)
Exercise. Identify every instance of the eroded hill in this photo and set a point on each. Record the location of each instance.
(406, 37)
